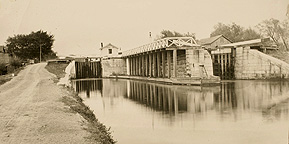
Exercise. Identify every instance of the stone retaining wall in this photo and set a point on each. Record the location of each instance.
(112, 67)
(252, 64)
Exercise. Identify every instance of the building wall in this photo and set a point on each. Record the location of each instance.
(253, 64)
(112, 67)
(104, 52)
(199, 63)
(181, 63)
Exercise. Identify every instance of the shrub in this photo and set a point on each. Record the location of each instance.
(3, 69)
(16, 63)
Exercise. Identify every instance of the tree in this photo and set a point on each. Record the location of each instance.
(29, 46)
(276, 30)
(168, 33)
(235, 32)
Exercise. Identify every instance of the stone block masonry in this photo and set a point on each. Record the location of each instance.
(113, 67)
(253, 64)
(199, 63)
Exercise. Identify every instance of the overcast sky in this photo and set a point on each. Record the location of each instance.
(79, 26)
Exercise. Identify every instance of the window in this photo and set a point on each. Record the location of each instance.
(109, 51)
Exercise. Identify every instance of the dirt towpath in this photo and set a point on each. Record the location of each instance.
(31, 110)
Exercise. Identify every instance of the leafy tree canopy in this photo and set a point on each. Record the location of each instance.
(278, 31)
(235, 32)
(28, 46)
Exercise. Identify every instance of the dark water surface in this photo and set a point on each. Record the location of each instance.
(239, 112)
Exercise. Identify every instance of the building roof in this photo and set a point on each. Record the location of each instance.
(210, 40)
(109, 46)
(245, 43)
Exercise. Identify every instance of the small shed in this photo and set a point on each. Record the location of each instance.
(109, 51)
(214, 42)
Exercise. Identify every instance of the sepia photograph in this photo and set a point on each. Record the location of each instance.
(144, 72)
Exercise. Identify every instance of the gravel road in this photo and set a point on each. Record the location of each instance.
(31, 110)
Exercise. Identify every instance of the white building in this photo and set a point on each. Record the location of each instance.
(110, 51)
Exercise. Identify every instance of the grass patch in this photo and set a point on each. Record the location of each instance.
(57, 68)
(99, 133)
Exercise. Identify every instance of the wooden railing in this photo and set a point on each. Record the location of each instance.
(162, 43)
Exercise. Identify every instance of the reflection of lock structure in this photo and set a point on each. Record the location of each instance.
(203, 72)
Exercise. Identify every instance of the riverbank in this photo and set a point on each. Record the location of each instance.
(33, 109)
(98, 131)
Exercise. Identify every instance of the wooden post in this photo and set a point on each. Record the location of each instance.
(127, 66)
(158, 64)
(225, 65)
(130, 60)
(150, 65)
(169, 63)
(229, 66)
(222, 66)
(143, 65)
(137, 65)
(140, 65)
(146, 65)
(154, 65)
(134, 65)
(175, 63)
(163, 65)
(219, 66)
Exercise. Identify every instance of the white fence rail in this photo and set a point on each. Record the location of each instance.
(162, 43)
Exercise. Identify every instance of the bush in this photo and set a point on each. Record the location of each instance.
(16, 63)
(3, 69)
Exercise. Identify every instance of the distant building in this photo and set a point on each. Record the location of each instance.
(110, 51)
(214, 42)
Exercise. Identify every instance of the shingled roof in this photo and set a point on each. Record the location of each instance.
(210, 40)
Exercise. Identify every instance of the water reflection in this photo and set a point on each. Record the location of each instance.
(234, 112)
(229, 97)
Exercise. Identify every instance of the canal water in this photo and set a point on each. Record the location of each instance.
(239, 112)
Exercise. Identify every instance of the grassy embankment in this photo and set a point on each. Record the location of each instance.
(282, 55)
(99, 132)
